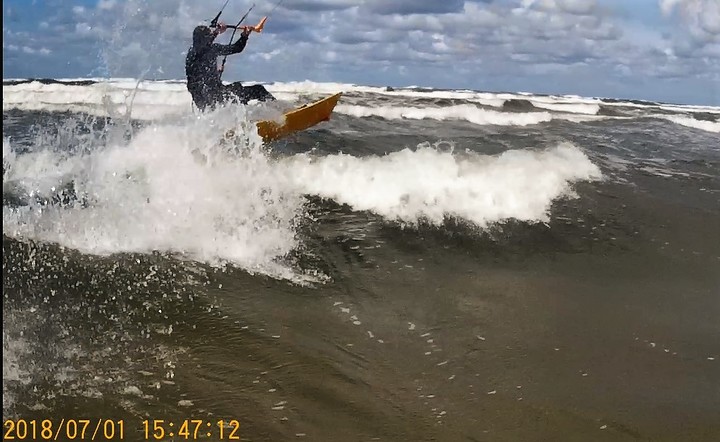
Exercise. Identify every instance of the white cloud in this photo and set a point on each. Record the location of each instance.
(701, 16)
(320, 5)
(576, 7)
(412, 6)
(579, 7)
(32, 51)
(667, 6)
(106, 4)
(453, 43)
(83, 28)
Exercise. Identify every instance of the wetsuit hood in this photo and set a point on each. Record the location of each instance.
(203, 36)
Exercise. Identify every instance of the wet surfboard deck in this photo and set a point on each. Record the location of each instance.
(298, 119)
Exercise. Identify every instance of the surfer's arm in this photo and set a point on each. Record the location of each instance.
(234, 48)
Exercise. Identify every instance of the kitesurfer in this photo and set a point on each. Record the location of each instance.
(203, 76)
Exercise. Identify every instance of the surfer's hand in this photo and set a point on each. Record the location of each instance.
(246, 30)
(221, 27)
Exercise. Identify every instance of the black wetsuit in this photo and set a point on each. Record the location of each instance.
(203, 76)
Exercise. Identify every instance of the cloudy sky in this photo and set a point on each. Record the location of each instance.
(646, 49)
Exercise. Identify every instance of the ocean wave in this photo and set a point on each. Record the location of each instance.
(175, 188)
(431, 185)
(708, 126)
(465, 112)
(172, 188)
(143, 101)
(154, 99)
(573, 108)
(516, 113)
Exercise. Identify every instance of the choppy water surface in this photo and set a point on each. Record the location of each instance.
(428, 265)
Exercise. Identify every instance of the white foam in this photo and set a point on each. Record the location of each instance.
(562, 99)
(667, 107)
(690, 108)
(465, 112)
(155, 99)
(172, 189)
(14, 371)
(149, 100)
(569, 104)
(307, 86)
(8, 156)
(574, 108)
(709, 126)
(428, 184)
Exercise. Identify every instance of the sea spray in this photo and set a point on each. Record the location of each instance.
(430, 185)
(179, 187)
(466, 112)
(174, 187)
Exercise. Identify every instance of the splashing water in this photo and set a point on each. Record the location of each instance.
(428, 184)
(177, 188)
(171, 188)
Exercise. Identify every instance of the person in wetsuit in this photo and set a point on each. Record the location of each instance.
(203, 76)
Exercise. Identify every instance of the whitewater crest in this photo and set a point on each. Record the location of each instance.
(430, 184)
(175, 187)
(168, 99)
(172, 188)
(465, 112)
(708, 126)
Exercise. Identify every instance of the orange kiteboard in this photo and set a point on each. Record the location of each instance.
(298, 119)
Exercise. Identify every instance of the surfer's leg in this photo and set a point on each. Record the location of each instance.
(207, 100)
(258, 92)
(237, 92)
(199, 100)
(217, 96)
